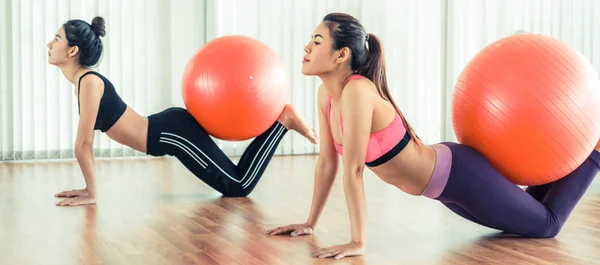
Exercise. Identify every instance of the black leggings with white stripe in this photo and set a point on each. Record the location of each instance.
(175, 132)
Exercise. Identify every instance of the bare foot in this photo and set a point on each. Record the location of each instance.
(292, 121)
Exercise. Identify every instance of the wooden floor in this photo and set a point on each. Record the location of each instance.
(153, 211)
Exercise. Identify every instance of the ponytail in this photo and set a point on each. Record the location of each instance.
(374, 69)
(367, 54)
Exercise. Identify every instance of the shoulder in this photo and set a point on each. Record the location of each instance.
(91, 80)
(358, 90)
(91, 86)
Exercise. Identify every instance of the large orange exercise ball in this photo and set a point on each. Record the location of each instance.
(530, 104)
(235, 87)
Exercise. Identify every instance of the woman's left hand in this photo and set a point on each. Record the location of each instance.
(340, 251)
(82, 200)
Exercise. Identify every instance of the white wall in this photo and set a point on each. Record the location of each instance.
(148, 44)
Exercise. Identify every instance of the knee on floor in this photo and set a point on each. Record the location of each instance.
(236, 191)
(549, 231)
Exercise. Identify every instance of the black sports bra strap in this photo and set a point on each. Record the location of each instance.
(79, 83)
(79, 86)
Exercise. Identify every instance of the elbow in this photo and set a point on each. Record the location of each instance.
(354, 171)
(82, 147)
(84, 142)
(325, 164)
(327, 167)
(325, 173)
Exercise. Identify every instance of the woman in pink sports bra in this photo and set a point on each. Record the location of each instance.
(359, 120)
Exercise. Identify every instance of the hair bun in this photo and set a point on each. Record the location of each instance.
(98, 26)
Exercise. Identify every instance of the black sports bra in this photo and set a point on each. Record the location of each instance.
(111, 108)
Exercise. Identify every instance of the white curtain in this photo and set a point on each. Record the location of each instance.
(148, 43)
(411, 32)
(472, 24)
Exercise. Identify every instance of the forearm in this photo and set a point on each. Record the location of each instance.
(357, 209)
(324, 179)
(85, 158)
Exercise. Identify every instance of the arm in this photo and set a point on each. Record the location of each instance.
(90, 93)
(92, 88)
(357, 111)
(327, 165)
(325, 171)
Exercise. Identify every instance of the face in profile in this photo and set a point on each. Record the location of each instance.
(58, 49)
(319, 54)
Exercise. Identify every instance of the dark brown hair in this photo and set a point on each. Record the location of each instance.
(367, 57)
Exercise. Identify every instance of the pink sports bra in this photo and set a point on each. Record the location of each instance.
(384, 144)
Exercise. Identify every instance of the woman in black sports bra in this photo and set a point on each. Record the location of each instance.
(76, 47)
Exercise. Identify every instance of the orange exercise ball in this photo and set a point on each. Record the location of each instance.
(530, 104)
(235, 87)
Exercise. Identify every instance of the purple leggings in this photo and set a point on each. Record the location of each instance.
(466, 183)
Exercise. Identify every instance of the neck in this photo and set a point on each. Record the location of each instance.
(73, 72)
(335, 82)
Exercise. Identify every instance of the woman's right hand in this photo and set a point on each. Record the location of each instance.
(293, 230)
(72, 193)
